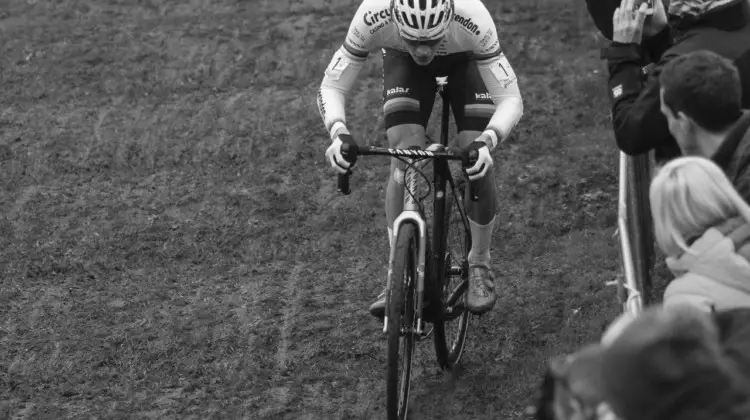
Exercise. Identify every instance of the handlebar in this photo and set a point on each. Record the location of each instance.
(350, 151)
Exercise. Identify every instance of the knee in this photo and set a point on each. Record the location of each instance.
(401, 137)
(398, 169)
(406, 135)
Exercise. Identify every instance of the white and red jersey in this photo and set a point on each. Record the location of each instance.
(471, 31)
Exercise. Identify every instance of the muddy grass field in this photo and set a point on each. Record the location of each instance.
(172, 245)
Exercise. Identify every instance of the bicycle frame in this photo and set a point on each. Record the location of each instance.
(411, 214)
(411, 211)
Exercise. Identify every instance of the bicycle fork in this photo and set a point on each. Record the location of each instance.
(410, 214)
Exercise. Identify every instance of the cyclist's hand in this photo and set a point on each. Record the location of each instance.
(435, 147)
(484, 160)
(333, 154)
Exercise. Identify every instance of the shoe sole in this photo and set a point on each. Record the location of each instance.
(478, 310)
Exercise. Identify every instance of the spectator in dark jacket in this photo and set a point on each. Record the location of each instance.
(721, 26)
(734, 334)
(701, 101)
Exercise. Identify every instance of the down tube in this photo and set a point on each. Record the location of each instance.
(438, 228)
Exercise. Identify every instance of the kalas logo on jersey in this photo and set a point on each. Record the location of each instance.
(467, 23)
(371, 18)
(482, 96)
(396, 90)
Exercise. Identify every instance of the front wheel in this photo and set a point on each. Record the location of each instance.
(401, 322)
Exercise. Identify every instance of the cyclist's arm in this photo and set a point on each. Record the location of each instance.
(498, 77)
(502, 84)
(339, 78)
(344, 69)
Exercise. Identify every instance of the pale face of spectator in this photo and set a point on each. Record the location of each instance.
(681, 127)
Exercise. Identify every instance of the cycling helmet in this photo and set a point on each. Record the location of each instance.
(420, 20)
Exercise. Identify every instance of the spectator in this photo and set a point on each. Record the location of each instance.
(703, 226)
(666, 364)
(701, 99)
(717, 25)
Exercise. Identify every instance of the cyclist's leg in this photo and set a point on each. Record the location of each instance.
(473, 108)
(408, 96)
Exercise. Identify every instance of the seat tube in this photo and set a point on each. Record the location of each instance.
(440, 179)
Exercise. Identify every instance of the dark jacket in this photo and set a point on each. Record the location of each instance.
(734, 330)
(638, 123)
(733, 156)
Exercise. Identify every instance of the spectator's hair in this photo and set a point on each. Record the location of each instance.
(688, 196)
(705, 86)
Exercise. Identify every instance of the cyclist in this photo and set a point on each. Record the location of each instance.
(422, 40)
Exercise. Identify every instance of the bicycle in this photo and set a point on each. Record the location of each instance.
(421, 263)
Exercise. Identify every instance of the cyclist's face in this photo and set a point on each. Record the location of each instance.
(423, 52)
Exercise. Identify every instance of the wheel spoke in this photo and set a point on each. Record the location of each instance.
(457, 293)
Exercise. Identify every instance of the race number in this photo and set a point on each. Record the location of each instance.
(503, 72)
(339, 63)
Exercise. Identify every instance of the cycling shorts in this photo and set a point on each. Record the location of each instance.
(409, 90)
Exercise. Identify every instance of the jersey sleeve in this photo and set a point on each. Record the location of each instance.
(346, 64)
(487, 43)
(366, 27)
(502, 85)
(479, 30)
(498, 77)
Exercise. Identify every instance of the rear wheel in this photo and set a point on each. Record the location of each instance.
(401, 322)
(453, 324)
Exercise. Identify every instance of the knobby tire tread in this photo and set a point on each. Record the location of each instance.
(406, 243)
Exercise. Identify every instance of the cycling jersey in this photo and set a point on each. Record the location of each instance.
(472, 31)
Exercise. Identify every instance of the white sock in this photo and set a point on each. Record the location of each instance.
(390, 236)
(481, 236)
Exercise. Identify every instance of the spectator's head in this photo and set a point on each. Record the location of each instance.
(701, 95)
(688, 196)
(665, 364)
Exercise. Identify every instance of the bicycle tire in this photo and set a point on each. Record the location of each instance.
(401, 313)
(449, 352)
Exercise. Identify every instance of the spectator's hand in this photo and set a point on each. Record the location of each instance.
(628, 23)
(656, 20)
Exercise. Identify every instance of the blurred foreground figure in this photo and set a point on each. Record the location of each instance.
(664, 364)
(641, 46)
